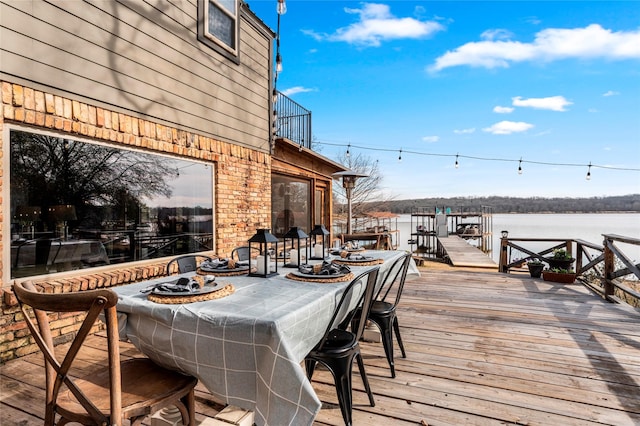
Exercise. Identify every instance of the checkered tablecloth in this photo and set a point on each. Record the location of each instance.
(246, 348)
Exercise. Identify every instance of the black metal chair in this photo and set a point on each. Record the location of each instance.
(242, 253)
(338, 347)
(185, 263)
(383, 313)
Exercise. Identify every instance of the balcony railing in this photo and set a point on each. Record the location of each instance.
(292, 121)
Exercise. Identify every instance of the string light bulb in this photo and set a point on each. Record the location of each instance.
(400, 156)
(282, 7)
(456, 161)
(589, 171)
(520, 167)
(278, 63)
(348, 154)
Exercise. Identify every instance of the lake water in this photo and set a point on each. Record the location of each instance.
(588, 227)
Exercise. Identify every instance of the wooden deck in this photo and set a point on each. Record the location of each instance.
(463, 254)
(483, 348)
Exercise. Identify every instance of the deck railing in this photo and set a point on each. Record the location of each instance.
(601, 267)
(292, 121)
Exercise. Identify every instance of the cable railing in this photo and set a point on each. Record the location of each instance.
(292, 121)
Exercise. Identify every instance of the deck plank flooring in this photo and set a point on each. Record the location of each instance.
(483, 348)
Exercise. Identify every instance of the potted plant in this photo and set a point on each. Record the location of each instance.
(535, 268)
(559, 275)
(560, 259)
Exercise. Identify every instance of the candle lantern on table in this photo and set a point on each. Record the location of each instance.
(297, 242)
(320, 249)
(267, 244)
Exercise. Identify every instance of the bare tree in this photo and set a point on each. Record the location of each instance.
(367, 189)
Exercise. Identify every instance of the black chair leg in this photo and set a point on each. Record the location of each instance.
(386, 332)
(341, 370)
(310, 366)
(365, 380)
(396, 327)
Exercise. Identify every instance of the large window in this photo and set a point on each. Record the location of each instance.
(77, 204)
(218, 25)
(290, 202)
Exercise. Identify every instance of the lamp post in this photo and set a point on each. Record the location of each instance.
(348, 183)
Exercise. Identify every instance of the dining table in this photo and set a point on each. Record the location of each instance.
(246, 348)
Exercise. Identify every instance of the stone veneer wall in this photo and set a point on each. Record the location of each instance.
(242, 191)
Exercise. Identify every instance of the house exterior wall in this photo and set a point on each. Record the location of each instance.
(142, 58)
(133, 73)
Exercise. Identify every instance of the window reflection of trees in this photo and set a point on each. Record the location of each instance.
(291, 199)
(122, 198)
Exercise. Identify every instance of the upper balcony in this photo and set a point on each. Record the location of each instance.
(292, 121)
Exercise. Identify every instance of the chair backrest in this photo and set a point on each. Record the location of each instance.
(358, 294)
(93, 303)
(242, 253)
(185, 263)
(395, 277)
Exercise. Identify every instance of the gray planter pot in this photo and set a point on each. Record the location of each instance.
(535, 269)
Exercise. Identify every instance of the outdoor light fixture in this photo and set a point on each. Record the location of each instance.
(348, 154)
(267, 244)
(400, 156)
(456, 161)
(505, 234)
(348, 183)
(520, 167)
(282, 7)
(278, 63)
(589, 172)
(320, 248)
(297, 242)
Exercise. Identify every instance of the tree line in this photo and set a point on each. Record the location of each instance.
(622, 203)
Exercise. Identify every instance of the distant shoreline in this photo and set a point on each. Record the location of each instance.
(511, 205)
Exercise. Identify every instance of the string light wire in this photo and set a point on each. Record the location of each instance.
(473, 157)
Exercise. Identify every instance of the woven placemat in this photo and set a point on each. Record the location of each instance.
(343, 278)
(369, 263)
(181, 298)
(223, 272)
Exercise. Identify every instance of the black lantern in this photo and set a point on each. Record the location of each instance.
(297, 241)
(320, 249)
(267, 244)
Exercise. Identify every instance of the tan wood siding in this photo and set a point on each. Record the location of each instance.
(143, 57)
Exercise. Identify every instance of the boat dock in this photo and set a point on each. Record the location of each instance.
(463, 254)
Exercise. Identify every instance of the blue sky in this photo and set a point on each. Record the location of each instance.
(492, 82)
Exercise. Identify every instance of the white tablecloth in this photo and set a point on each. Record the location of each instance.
(246, 348)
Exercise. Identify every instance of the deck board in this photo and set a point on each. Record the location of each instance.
(463, 254)
(483, 348)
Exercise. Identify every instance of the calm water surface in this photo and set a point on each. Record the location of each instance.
(589, 227)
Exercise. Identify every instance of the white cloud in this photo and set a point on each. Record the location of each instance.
(496, 34)
(610, 93)
(464, 131)
(377, 24)
(431, 139)
(552, 103)
(502, 110)
(508, 127)
(549, 45)
(296, 89)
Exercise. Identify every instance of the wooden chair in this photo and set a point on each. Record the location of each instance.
(119, 390)
(383, 312)
(185, 263)
(338, 347)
